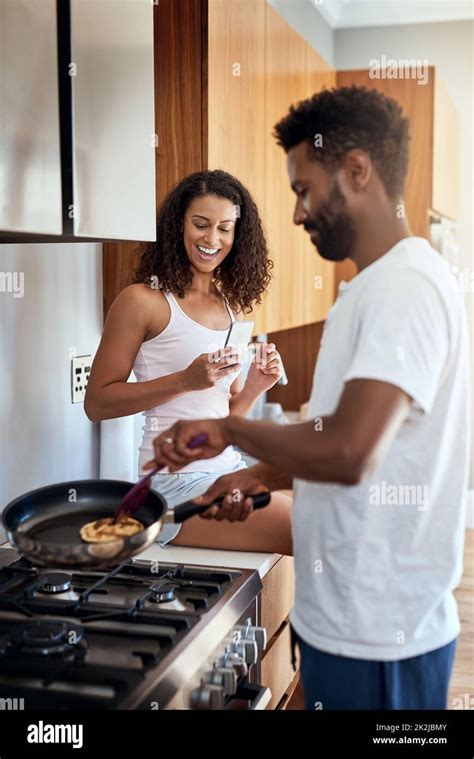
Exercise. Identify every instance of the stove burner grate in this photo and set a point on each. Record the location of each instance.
(48, 637)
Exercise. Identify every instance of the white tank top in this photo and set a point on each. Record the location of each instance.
(174, 349)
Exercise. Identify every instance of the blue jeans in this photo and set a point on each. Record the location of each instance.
(338, 682)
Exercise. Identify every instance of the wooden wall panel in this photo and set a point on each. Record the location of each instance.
(236, 106)
(299, 346)
(316, 270)
(299, 350)
(285, 84)
(250, 87)
(180, 66)
(417, 102)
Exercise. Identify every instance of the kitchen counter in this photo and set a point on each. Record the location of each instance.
(210, 557)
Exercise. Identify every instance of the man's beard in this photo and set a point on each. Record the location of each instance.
(335, 228)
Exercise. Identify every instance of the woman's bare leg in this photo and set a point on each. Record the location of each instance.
(267, 530)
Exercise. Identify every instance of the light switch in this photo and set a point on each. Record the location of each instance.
(80, 372)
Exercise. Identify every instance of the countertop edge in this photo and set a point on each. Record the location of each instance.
(210, 557)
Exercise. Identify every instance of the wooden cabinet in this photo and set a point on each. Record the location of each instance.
(277, 671)
(235, 86)
(180, 59)
(433, 172)
(225, 73)
(302, 288)
(277, 595)
(235, 93)
(251, 85)
(285, 84)
(276, 601)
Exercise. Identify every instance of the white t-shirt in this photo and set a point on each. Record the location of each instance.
(376, 562)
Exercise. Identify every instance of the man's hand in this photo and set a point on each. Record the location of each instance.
(172, 446)
(235, 487)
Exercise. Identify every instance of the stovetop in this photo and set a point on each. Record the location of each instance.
(94, 639)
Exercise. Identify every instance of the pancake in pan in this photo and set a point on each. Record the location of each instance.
(103, 530)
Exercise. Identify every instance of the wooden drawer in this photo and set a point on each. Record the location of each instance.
(277, 595)
(277, 672)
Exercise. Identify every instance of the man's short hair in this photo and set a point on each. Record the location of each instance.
(335, 121)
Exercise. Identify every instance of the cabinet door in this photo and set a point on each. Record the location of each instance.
(178, 102)
(113, 120)
(235, 88)
(30, 164)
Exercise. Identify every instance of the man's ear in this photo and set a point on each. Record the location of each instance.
(357, 169)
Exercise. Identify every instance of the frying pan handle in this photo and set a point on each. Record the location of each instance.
(189, 508)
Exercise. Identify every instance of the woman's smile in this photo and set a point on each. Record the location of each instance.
(207, 254)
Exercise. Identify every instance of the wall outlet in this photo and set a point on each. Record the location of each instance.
(80, 372)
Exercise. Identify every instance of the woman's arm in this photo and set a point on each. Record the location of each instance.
(264, 372)
(109, 395)
(241, 400)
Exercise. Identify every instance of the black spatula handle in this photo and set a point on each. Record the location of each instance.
(189, 509)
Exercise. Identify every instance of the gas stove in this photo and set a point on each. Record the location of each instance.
(144, 635)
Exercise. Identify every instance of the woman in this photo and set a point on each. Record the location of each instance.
(209, 265)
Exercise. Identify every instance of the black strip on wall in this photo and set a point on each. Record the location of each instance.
(65, 110)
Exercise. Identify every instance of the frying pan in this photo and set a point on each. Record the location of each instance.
(44, 524)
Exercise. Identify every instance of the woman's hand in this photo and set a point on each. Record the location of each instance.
(209, 368)
(235, 487)
(265, 369)
(172, 446)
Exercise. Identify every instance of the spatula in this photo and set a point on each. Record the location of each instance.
(138, 492)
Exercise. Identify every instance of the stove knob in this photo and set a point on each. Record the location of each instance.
(235, 661)
(225, 676)
(208, 696)
(247, 649)
(258, 634)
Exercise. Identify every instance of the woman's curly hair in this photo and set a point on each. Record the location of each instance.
(242, 276)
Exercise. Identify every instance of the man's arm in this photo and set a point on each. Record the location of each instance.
(341, 448)
(337, 448)
(273, 479)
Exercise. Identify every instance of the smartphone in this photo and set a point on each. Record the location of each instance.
(239, 335)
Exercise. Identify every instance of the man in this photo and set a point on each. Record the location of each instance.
(380, 470)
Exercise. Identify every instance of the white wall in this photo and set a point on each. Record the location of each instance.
(448, 47)
(44, 438)
(308, 22)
